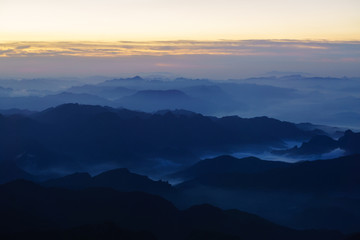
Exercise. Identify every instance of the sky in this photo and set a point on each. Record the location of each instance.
(219, 38)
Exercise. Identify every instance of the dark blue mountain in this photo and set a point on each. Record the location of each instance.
(315, 146)
(107, 92)
(9, 171)
(333, 175)
(123, 81)
(119, 179)
(15, 111)
(29, 208)
(154, 100)
(71, 137)
(226, 165)
(350, 142)
(38, 103)
(309, 194)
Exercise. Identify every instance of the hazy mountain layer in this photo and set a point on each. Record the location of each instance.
(75, 137)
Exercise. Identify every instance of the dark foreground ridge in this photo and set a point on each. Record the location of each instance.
(339, 175)
(322, 194)
(31, 210)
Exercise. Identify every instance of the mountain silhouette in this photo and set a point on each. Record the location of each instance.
(227, 164)
(71, 136)
(107, 92)
(153, 100)
(350, 142)
(333, 175)
(39, 103)
(39, 209)
(9, 171)
(119, 179)
(123, 81)
(308, 194)
(316, 145)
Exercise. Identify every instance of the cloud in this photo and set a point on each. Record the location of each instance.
(23, 47)
(213, 59)
(5, 52)
(161, 48)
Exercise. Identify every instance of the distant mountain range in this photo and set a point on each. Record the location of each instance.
(76, 163)
(153, 100)
(295, 98)
(38, 103)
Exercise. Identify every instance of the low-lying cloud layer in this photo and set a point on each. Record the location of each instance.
(210, 59)
(160, 48)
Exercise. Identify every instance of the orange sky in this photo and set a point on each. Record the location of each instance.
(195, 38)
(148, 20)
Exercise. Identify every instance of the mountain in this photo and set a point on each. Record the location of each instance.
(72, 138)
(14, 111)
(37, 103)
(333, 175)
(38, 210)
(153, 100)
(118, 179)
(9, 171)
(107, 92)
(122, 82)
(248, 94)
(226, 165)
(334, 132)
(214, 98)
(338, 102)
(350, 142)
(317, 145)
(308, 194)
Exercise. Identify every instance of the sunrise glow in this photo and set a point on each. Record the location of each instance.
(145, 20)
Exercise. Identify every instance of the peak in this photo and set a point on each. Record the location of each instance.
(136, 78)
(250, 158)
(348, 132)
(68, 105)
(225, 157)
(229, 157)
